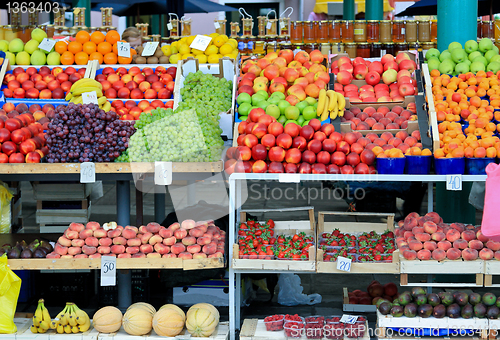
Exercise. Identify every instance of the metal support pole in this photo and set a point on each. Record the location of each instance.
(231, 240)
(191, 193)
(450, 29)
(124, 277)
(430, 196)
(348, 10)
(159, 207)
(374, 10)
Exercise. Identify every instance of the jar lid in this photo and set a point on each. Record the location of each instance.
(373, 20)
(325, 44)
(389, 43)
(342, 21)
(307, 22)
(359, 21)
(427, 43)
(376, 44)
(93, 28)
(260, 42)
(401, 43)
(488, 22)
(324, 21)
(299, 21)
(411, 21)
(385, 21)
(350, 44)
(298, 44)
(398, 21)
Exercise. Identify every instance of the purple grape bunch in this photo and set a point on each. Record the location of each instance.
(84, 133)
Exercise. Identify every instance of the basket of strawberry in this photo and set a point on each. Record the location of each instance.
(274, 322)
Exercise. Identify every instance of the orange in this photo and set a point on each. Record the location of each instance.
(67, 58)
(75, 47)
(112, 37)
(89, 47)
(110, 58)
(97, 37)
(104, 48)
(61, 47)
(82, 37)
(97, 56)
(124, 60)
(81, 58)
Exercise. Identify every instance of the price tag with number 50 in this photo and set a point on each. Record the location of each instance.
(344, 264)
(108, 271)
(163, 173)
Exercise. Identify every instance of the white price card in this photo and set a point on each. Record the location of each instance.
(268, 26)
(216, 25)
(282, 24)
(90, 98)
(289, 178)
(123, 49)
(108, 271)
(150, 48)
(163, 173)
(454, 182)
(47, 44)
(201, 42)
(87, 172)
(169, 26)
(344, 264)
(350, 319)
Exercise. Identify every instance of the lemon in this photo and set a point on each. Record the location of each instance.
(175, 44)
(187, 55)
(219, 41)
(213, 35)
(225, 37)
(184, 49)
(190, 39)
(212, 49)
(174, 58)
(174, 49)
(226, 49)
(202, 58)
(166, 50)
(196, 52)
(182, 41)
(233, 42)
(213, 58)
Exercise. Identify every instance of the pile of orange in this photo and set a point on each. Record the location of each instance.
(96, 46)
(462, 97)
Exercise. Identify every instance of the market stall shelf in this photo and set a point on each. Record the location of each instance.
(491, 269)
(494, 328)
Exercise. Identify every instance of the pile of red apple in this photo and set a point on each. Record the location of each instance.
(186, 240)
(428, 238)
(22, 138)
(40, 84)
(395, 74)
(130, 110)
(264, 145)
(296, 76)
(380, 118)
(135, 83)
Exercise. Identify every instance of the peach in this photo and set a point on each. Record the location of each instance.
(146, 248)
(180, 233)
(88, 250)
(169, 241)
(408, 234)
(493, 245)
(138, 256)
(424, 254)
(480, 236)
(153, 227)
(434, 217)
(486, 254)
(217, 254)
(469, 254)
(85, 233)
(53, 255)
(134, 242)
(131, 227)
(114, 233)
(497, 255)
(66, 256)
(132, 250)
(169, 256)
(76, 226)
(64, 241)
(120, 240)
(124, 256)
(423, 237)
(203, 240)
(196, 232)
(194, 248)
(453, 254)
(155, 239)
(452, 235)
(92, 241)
(81, 256)
(476, 244)
(430, 227)
(95, 256)
(438, 236)
(129, 234)
(174, 226)
(415, 245)
(145, 237)
(214, 236)
(117, 249)
(93, 225)
(458, 226)
(74, 250)
(153, 255)
(202, 224)
(445, 245)
(142, 229)
(105, 241)
(412, 222)
(160, 248)
(460, 244)
(418, 230)
(422, 220)
(438, 254)
(468, 235)
(199, 256)
(165, 233)
(209, 249)
(430, 245)
(186, 256)
(177, 248)
(188, 224)
(402, 244)
(103, 250)
(100, 233)
(77, 242)
(60, 249)
(220, 249)
(70, 234)
(188, 240)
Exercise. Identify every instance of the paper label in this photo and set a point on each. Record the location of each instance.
(163, 173)
(216, 25)
(87, 172)
(359, 31)
(268, 26)
(169, 26)
(47, 44)
(344, 264)
(454, 182)
(123, 49)
(282, 24)
(350, 319)
(108, 271)
(403, 31)
(289, 178)
(90, 98)
(150, 48)
(201, 42)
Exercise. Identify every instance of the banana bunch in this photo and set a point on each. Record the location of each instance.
(71, 320)
(330, 103)
(41, 319)
(87, 85)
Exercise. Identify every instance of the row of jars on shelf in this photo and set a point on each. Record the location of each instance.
(488, 29)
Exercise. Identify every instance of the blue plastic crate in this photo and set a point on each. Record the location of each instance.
(449, 166)
(477, 166)
(418, 165)
(391, 166)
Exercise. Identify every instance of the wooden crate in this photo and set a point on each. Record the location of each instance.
(255, 329)
(491, 268)
(494, 327)
(61, 191)
(281, 227)
(355, 308)
(387, 321)
(46, 217)
(356, 227)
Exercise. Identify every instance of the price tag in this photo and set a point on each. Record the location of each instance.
(108, 271)
(350, 319)
(344, 264)
(289, 178)
(454, 182)
(90, 98)
(123, 49)
(268, 26)
(169, 26)
(201, 42)
(163, 173)
(216, 24)
(282, 24)
(47, 44)
(87, 172)
(403, 31)
(149, 49)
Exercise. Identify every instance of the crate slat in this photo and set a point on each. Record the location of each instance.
(61, 192)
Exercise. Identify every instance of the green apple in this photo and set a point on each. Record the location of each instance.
(462, 68)
(243, 118)
(4, 45)
(458, 55)
(257, 98)
(444, 55)
(433, 63)
(243, 98)
(274, 100)
(290, 121)
(282, 119)
(477, 66)
(454, 45)
(447, 66)
(279, 95)
(495, 58)
(263, 104)
(38, 35)
(12, 57)
(16, 45)
(301, 105)
(432, 53)
(38, 58)
(485, 44)
(480, 59)
(31, 46)
(309, 113)
(488, 55)
(244, 109)
(474, 54)
(53, 58)
(300, 120)
(23, 58)
(495, 48)
(471, 46)
(311, 100)
(283, 104)
(493, 67)
(263, 94)
(292, 112)
(273, 111)
(306, 123)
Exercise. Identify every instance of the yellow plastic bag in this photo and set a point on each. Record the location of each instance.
(10, 285)
(5, 215)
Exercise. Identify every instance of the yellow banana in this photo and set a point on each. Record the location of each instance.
(84, 327)
(72, 318)
(41, 330)
(106, 106)
(81, 316)
(321, 102)
(75, 329)
(63, 317)
(45, 313)
(86, 82)
(44, 325)
(102, 100)
(324, 114)
(54, 323)
(68, 96)
(334, 113)
(78, 91)
(76, 100)
(341, 101)
(67, 329)
(38, 316)
(34, 329)
(60, 329)
(332, 100)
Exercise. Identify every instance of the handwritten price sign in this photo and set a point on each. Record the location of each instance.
(123, 49)
(90, 98)
(108, 271)
(87, 172)
(344, 264)
(350, 319)
(149, 49)
(163, 173)
(47, 44)
(454, 182)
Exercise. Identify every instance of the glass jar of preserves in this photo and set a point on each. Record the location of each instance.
(479, 29)
(497, 30)
(309, 32)
(347, 30)
(415, 46)
(50, 30)
(363, 50)
(251, 44)
(387, 49)
(411, 31)
(337, 48)
(272, 27)
(235, 29)
(259, 47)
(428, 45)
(398, 31)
(24, 33)
(296, 32)
(360, 31)
(285, 26)
(375, 50)
(271, 46)
(297, 47)
(285, 45)
(220, 26)
(155, 37)
(334, 33)
(434, 30)
(242, 45)
(325, 48)
(281, 38)
(261, 24)
(372, 31)
(424, 31)
(247, 26)
(488, 29)
(186, 27)
(385, 28)
(351, 49)
(398, 47)
(323, 30)
(309, 47)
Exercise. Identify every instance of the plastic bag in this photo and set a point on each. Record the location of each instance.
(489, 226)
(5, 215)
(290, 292)
(10, 285)
(476, 196)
